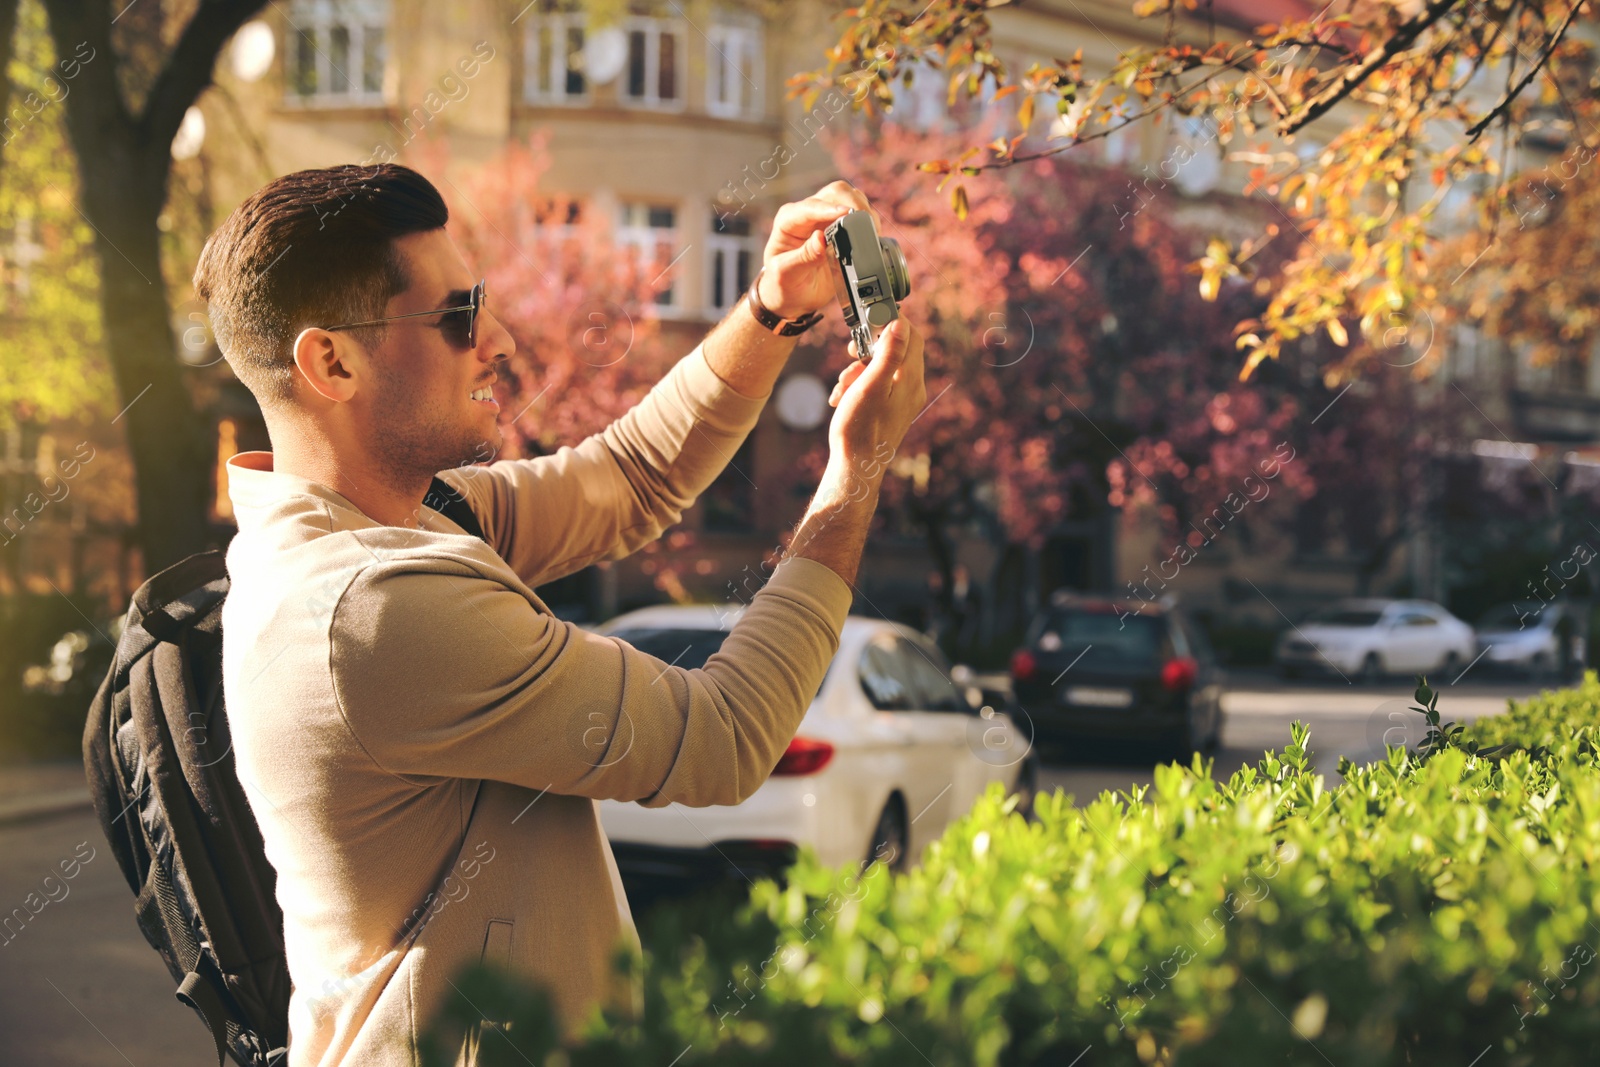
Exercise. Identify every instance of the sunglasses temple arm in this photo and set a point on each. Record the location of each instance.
(392, 318)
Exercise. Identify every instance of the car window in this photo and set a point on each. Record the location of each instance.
(931, 687)
(1194, 638)
(1344, 616)
(1518, 615)
(1124, 639)
(1417, 618)
(884, 676)
(1178, 634)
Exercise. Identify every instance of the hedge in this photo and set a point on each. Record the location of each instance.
(1436, 907)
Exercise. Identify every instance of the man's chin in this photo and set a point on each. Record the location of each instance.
(481, 450)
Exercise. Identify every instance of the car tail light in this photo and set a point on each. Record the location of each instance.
(805, 755)
(1022, 665)
(1179, 674)
(762, 844)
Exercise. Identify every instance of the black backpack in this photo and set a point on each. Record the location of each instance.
(160, 768)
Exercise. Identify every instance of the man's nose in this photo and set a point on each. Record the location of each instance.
(497, 342)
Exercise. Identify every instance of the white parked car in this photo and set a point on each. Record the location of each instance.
(1540, 638)
(1369, 639)
(889, 752)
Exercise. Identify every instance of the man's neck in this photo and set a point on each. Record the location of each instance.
(372, 491)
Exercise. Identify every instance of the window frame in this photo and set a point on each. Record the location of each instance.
(653, 26)
(321, 18)
(726, 40)
(638, 235)
(926, 94)
(560, 22)
(729, 245)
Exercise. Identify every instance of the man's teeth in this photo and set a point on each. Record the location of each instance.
(483, 394)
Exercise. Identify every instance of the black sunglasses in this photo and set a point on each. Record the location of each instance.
(479, 295)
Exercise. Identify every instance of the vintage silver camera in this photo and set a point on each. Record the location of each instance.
(871, 278)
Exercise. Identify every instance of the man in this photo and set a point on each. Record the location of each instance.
(422, 741)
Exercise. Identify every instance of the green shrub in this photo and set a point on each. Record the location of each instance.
(1431, 909)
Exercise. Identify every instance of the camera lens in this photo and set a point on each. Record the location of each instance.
(895, 261)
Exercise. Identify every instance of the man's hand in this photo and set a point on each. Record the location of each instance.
(796, 263)
(874, 403)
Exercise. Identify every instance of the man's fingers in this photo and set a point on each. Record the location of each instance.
(827, 204)
(847, 378)
(842, 192)
(813, 249)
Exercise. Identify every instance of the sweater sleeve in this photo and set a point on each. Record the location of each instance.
(443, 671)
(618, 489)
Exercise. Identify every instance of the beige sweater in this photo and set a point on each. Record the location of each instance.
(423, 741)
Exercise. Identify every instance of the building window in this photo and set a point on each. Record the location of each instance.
(652, 231)
(336, 51)
(561, 216)
(553, 57)
(921, 105)
(733, 70)
(731, 261)
(654, 76)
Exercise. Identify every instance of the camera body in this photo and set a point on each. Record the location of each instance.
(870, 280)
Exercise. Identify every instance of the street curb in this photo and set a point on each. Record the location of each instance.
(26, 809)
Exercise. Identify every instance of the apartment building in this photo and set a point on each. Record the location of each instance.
(667, 119)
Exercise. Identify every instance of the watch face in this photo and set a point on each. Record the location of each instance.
(802, 402)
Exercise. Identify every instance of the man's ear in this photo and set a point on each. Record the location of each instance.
(329, 365)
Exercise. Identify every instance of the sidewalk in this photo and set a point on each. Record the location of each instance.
(33, 790)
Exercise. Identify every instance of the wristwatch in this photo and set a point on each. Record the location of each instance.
(771, 320)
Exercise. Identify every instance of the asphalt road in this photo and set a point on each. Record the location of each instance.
(1345, 719)
(79, 986)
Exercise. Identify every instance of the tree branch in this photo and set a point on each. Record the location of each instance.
(101, 109)
(1516, 91)
(1398, 42)
(188, 69)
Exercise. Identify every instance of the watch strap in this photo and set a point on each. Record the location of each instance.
(771, 319)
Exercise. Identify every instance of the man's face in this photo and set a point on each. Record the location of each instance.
(429, 405)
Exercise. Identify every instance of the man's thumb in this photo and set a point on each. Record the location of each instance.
(888, 352)
(892, 344)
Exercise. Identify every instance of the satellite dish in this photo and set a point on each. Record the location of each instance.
(802, 402)
(605, 53)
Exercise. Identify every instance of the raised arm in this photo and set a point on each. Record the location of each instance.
(622, 487)
(443, 669)
(619, 488)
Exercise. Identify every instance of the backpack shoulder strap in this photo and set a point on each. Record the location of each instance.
(453, 506)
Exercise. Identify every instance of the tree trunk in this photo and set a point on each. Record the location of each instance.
(166, 436)
(123, 164)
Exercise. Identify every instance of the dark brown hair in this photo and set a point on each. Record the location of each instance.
(312, 248)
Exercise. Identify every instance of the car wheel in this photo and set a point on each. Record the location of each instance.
(1291, 674)
(891, 838)
(1027, 787)
(1450, 667)
(1539, 668)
